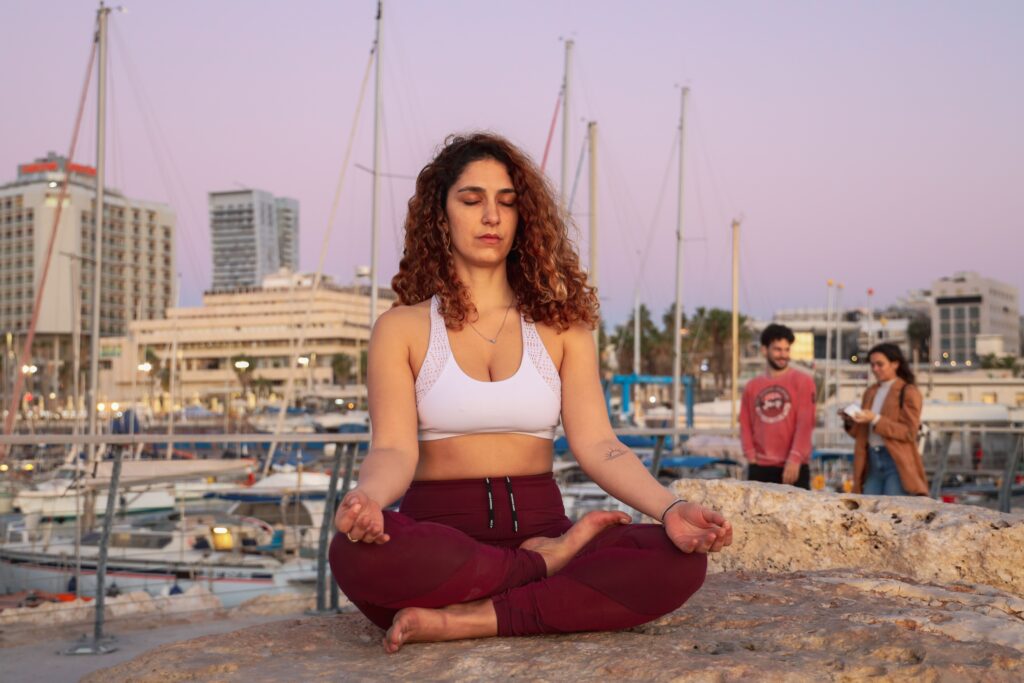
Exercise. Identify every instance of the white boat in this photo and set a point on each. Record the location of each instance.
(351, 421)
(293, 422)
(145, 486)
(291, 501)
(235, 560)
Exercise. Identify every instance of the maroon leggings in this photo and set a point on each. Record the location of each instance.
(457, 541)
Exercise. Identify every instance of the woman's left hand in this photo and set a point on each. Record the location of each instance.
(864, 416)
(696, 529)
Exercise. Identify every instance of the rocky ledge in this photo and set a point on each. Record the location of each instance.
(780, 606)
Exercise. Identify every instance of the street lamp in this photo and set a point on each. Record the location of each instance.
(147, 367)
(28, 371)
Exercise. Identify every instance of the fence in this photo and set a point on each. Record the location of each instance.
(1002, 453)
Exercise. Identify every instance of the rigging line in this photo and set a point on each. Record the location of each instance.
(722, 198)
(409, 109)
(399, 176)
(579, 171)
(612, 184)
(661, 198)
(174, 184)
(150, 124)
(551, 130)
(390, 186)
(300, 340)
(744, 255)
(26, 352)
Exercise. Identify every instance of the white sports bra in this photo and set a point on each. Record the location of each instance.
(451, 403)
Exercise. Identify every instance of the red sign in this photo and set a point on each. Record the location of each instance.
(84, 170)
(38, 168)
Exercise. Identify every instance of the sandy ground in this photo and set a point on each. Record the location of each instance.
(32, 656)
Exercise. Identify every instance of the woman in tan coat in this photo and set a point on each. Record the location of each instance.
(886, 460)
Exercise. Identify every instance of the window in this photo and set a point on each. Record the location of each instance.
(955, 396)
(988, 397)
(1020, 400)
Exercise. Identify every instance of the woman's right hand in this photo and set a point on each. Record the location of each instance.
(360, 518)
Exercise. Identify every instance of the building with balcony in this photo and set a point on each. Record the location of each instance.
(267, 326)
(138, 269)
(967, 306)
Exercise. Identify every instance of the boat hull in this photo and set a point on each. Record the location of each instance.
(232, 583)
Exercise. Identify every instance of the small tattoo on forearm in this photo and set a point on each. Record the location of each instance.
(614, 453)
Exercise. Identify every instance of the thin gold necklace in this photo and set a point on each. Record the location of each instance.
(496, 334)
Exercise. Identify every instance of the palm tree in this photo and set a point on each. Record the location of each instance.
(651, 339)
(711, 330)
(243, 366)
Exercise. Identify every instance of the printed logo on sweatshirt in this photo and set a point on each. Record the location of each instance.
(773, 404)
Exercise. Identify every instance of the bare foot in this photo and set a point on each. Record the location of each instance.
(558, 551)
(455, 622)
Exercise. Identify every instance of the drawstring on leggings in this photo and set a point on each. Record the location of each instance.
(490, 504)
(511, 500)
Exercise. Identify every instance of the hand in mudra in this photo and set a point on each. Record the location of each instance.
(360, 518)
(696, 529)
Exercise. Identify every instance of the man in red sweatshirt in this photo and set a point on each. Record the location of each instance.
(777, 415)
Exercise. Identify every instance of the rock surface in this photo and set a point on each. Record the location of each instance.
(816, 587)
(801, 626)
(781, 529)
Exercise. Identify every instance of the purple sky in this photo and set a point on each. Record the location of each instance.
(877, 143)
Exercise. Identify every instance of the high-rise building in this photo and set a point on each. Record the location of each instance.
(288, 232)
(967, 306)
(254, 234)
(138, 263)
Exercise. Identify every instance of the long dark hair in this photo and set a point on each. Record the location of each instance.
(895, 355)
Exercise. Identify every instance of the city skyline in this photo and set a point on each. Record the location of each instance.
(875, 145)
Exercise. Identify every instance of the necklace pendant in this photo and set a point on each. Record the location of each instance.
(493, 341)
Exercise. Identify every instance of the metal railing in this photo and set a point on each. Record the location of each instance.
(341, 451)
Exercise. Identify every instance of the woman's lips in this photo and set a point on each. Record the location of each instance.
(489, 239)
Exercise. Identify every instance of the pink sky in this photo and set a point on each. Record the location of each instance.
(876, 143)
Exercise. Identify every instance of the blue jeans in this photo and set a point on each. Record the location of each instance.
(883, 479)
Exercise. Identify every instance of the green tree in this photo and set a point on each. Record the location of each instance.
(994, 362)
(651, 343)
(711, 331)
(919, 333)
(343, 367)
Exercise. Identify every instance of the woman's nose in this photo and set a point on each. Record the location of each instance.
(491, 215)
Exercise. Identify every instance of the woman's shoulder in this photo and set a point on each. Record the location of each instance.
(575, 332)
(909, 389)
(403, 320)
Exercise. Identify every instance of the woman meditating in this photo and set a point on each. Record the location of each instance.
(490, 344)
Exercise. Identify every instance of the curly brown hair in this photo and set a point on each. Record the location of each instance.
(543, 266)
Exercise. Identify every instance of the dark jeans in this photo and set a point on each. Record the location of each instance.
(773, 475)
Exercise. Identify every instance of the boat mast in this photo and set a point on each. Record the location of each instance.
(592, 270)
(172, 384)
(828, 359)
(375, 203)
(677, 342)
(101, 140)
(735, 322)
(837, 372)
(565, 127)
